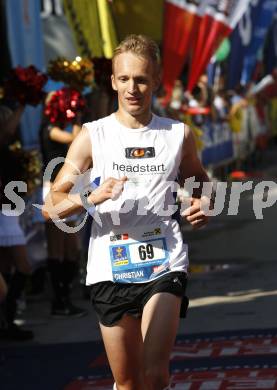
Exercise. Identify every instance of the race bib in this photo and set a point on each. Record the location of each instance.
(138, 259)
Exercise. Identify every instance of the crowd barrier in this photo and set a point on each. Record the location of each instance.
(223, 142)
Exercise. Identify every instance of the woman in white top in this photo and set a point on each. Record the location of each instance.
(14, 263)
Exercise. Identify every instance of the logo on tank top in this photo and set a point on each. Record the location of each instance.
(155, 232)
(138, 152)
(118, 237)
(119, 254)
(140, 168)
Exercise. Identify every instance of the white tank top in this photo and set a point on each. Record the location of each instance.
(134, 238)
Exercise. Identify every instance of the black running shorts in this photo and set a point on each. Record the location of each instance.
(112, 300)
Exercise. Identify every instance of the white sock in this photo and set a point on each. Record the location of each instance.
(114, 386)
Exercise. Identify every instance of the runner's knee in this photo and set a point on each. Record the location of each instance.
(157, 378)
(129, 379)
(130, 384)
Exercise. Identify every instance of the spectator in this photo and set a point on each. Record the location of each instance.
(14, 263)
(63, 249)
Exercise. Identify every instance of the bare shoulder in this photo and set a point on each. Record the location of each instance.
(189, 146)
(79, 155)
(81, 146)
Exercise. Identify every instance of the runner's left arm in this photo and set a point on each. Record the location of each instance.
(191, 166)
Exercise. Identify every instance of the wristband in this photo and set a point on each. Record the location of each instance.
(84, 196)
(91, 210)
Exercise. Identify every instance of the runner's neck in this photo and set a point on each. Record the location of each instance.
(132, 122)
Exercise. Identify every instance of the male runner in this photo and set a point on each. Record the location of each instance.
(137, 261)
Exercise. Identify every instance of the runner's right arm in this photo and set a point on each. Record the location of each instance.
(60, 203)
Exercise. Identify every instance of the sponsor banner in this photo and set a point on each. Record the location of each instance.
(217, 138)
(26, 48)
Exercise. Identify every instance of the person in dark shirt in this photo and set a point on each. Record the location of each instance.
(63, 249)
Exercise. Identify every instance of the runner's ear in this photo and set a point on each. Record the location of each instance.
(113, 83)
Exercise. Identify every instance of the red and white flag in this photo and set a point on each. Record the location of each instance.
(218, 19)
(180, 19)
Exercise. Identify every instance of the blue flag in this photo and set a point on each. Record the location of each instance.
(263, 16)
(247, 39)
(26, 48)
(270, 48)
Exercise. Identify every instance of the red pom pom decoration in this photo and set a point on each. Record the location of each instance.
(25, 85)
(63, 106)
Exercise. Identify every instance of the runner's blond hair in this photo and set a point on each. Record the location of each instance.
(140, 45)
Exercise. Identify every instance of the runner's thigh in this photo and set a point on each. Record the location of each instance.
(124, 347)
(160, 322)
